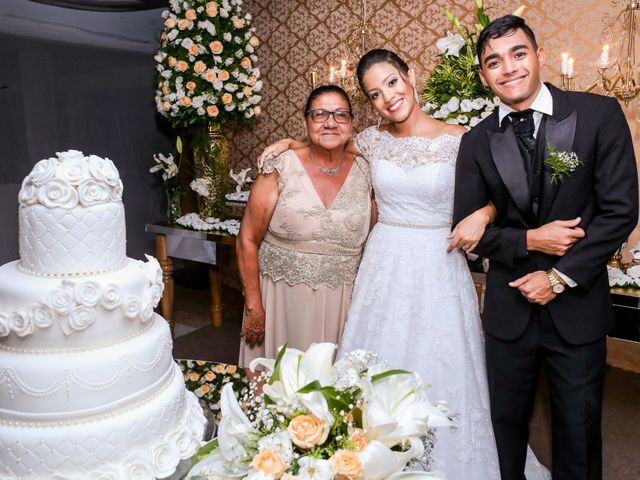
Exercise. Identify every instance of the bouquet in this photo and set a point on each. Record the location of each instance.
(206, 64)
(453, 92)
(352, 420)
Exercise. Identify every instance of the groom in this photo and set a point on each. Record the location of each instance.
(558, 222)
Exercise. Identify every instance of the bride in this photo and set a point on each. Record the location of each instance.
(414, 302)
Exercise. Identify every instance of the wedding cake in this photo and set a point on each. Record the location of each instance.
(88, 385)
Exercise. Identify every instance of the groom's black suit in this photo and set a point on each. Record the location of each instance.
(568, 333)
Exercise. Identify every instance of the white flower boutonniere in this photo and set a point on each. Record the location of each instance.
(562, 164)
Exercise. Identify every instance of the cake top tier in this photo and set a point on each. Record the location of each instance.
(71, 180)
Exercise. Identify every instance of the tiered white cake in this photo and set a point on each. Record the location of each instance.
(88, 385)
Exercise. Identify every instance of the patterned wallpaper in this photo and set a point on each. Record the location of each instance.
(304, 35)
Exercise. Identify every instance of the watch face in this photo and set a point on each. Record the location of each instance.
(558, 288)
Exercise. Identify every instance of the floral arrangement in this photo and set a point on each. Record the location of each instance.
(352, 420)
(453, 92)
(562, 164)
(193, 221)
(206, 64)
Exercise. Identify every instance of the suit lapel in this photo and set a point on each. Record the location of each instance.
(508, 160)
(560, 133)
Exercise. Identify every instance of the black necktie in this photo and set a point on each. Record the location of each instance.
(524, 127)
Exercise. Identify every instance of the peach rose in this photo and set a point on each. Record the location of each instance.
(231, 369)
(191, 86)
(166, 106)
(216, 47)
(347, 465)
(183, 24)
(212, 9)
(185, 101)
(205, 388)
(307, 431)
(257, 110)
(170, 23)
(172, 61)
(219, 368)
(209, 376)
(210, 76)
(254, 41)
(165, 90)
(269, 463)
(199, 67)
(252, 80)
(202, 363)
(245, 63)
(359, 438)
(238, 22)
(223, 75)
(193, 50)
(194, 377)
(227, 98)
(190, 14)
(183, 66)
(247, 91)
(212, 111)
(164, 36)
(288, 476)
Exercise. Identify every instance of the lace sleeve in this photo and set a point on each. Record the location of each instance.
(364, 141)
(275, 163)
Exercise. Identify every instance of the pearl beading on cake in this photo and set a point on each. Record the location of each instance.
(72, 274)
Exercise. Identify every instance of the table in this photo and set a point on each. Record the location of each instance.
(223, 243)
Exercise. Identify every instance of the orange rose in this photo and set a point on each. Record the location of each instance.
(223, 75)
(347, 465)
(183, 24)
(245, 63)
(238, 22)
(358, 437)
(231, 369)
(166, 106)
(219, 368)
(194, 377)
(190, 14)
(172, 61)
(269, 463)
(247, 91)
(212, 111)
(216, 47)
(186, 101)
(202, 363)
(212, 9)
(183, 66)
(209, 376)
(254, 41)
(191, 86)
(210, 76)
(193, 50)
(170, 23)
(199, 67)
(205, 388)
(307, 431)
(257, 110)
(227, 98)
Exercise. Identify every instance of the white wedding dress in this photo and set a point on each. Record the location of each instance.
(415, 305)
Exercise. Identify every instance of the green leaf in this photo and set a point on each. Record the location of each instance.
(389, 373)
(311, 387)
(275, 376)
(205, 450)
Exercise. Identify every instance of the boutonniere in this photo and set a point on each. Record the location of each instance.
(562, 164)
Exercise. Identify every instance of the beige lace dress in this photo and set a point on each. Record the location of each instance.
(309, 257)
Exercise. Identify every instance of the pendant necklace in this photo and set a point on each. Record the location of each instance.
(330, 172)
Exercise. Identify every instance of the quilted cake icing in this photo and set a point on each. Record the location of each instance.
(88, 385)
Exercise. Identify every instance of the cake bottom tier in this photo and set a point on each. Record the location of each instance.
(145, 441)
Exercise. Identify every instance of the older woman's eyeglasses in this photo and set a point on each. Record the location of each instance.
(319, 115)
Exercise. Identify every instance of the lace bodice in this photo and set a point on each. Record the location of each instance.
(413, 177)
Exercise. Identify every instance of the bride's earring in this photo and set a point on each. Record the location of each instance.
(379, 121)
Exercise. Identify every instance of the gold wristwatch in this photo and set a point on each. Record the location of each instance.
(557, 285)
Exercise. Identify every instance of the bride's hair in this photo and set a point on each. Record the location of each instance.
(379, 55)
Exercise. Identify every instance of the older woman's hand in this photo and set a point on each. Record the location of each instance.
(253, 327)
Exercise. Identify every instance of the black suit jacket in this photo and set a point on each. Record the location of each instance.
(603, 191)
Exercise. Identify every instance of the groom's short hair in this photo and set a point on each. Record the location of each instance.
(502, 26)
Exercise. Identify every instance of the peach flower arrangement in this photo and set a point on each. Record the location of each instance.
(315, 420)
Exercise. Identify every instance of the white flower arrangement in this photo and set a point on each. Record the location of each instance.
(206, 64)
(201, 186)
(355, 419)
(241, 178)
(194, 222)
(562, 164)
(166, 165)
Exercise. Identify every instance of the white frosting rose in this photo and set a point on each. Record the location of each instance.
(73, 170)
(41, 315)
(185, 441)
(88, 293)
(139, 470)
(153, 270)
(132, 307)
(103, 169)
(165, 459)
(61, 300)
(70, 155)
(43, 171)
(107, 472)
(78, 320)
(92, 192)
(21, 324)
(116, 192)
(156, 294)
(147, 309)
(28, 193)
(58, 193)
(5, 329)
(111, 297)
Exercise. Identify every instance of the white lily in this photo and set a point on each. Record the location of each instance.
(451, 44)
(166, 164)
(298, 369)
(201, 186)
(380, 462)
(240, 178)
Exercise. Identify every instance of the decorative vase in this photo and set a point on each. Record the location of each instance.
(211, 154)
(173, 205)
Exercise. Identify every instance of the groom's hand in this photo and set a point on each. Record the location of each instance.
(555, 238)
(535, 287)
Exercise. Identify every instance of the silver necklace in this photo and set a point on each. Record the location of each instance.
(330, 172)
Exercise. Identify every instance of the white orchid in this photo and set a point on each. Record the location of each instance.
(451, 44)
(201, 186)
(240, 178)
(165, 164)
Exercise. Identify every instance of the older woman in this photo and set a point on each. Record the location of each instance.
(302, 234)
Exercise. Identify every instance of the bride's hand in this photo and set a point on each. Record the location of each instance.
(276, 149)
(469, 231)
